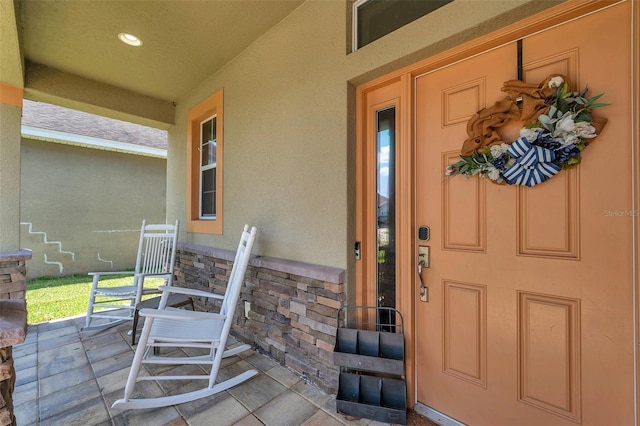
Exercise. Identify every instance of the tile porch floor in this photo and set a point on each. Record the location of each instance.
(67, 377)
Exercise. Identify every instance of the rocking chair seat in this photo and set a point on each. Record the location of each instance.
(175, 300)
(205, 327)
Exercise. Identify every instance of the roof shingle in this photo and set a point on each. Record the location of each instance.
(53, 117)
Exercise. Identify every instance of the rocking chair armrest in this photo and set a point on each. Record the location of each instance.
(165, 275)
(112, 273)
(180, 314)
(191, 292)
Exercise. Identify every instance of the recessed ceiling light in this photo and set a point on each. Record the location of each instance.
(130, 39)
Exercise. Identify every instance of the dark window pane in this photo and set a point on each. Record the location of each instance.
(208, 192)
(212, 135)
(208, 180)
(377, 18)
(208, 204)
(206, 132)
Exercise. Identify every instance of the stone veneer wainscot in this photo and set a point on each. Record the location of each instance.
(293, 306)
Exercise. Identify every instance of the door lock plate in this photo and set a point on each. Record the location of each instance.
(423, 262)
(424, 253)
(424, 294)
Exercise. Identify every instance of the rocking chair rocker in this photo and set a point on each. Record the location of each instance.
(174, 328)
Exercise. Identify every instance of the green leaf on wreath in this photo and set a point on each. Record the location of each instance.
(562, 91)
(562, 105)
(595, 98)
(583, 115)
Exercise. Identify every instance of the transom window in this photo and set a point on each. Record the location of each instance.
(373, 19)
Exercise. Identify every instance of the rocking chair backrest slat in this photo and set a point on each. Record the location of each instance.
(140, 247)
(157, 249)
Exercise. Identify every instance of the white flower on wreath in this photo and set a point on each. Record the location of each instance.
(493, 173)
(530, 134)
(498, 150)
(564, 125)
(568, 139)
(568, 132)
(555, 82)
(449, 171)
(584, 130)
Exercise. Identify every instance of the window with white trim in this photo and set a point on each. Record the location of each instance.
(208, 151)
(204, 161)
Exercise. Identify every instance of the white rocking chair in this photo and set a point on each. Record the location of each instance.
(109, 306)
(167, 327)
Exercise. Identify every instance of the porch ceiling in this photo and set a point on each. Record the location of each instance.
(184, 42)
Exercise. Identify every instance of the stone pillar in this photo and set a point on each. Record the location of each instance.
(13, 275)
(13, 324)
(7, 383)
(13, 330)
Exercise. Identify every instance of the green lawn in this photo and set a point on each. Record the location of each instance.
(62, 297)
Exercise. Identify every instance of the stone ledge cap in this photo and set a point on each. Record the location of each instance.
(207, 251)
(12, 256)
(13, 322)
(308, 270)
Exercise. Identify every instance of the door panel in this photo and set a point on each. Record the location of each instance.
(530, 316)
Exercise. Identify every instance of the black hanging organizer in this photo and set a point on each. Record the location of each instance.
(370, 352)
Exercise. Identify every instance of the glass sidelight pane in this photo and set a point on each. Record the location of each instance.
(386, 200)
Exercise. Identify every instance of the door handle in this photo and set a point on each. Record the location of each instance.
(424, 290)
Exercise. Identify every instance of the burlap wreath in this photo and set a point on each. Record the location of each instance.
(524, 102)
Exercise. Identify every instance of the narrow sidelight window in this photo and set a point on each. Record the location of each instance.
(386, 207)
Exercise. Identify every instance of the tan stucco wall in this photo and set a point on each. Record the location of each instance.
(91, 201)
(289, 134)
(9, 177)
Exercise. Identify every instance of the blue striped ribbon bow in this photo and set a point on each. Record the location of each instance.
(533, 164)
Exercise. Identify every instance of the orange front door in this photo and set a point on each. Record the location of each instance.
(530, 312)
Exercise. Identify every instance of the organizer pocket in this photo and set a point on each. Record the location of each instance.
(375, 351)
